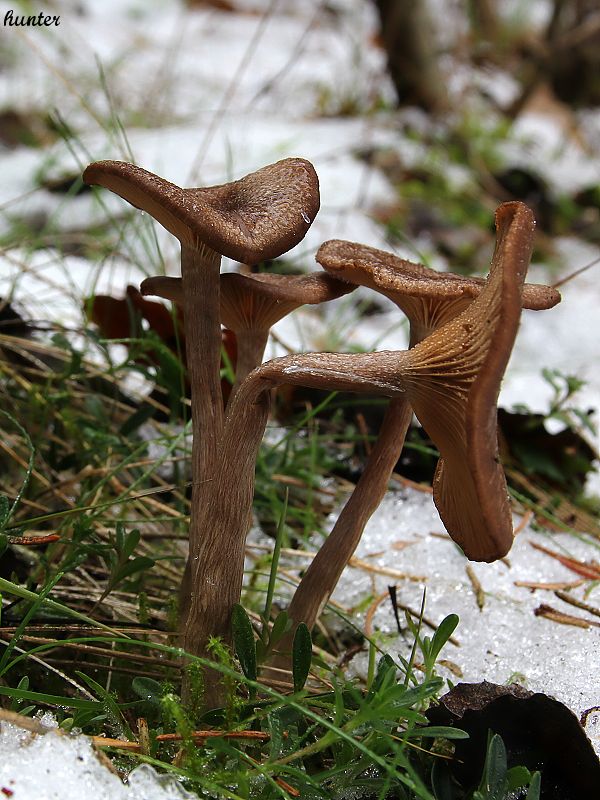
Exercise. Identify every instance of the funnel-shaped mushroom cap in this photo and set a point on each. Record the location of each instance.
(258, 217)
(454, 386)
(452, 380)
(428, 298)
(258, 301)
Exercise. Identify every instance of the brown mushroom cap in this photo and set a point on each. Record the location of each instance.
(252, 219)
(161, 286)
(452, 380)
(427, 297)
(459, 408)
(257, 301)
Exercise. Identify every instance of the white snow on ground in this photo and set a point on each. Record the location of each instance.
(503, 642)
(206, 96)
(63, 767)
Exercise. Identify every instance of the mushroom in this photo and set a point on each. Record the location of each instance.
(252, 304)
(429, 299)
(258, 217)
(451, 379)
(161, 286)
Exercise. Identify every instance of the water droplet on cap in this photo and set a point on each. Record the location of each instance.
(305, 217)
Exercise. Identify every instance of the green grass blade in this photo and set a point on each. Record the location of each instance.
(25, 594)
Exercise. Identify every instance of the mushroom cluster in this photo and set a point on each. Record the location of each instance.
(461, 335)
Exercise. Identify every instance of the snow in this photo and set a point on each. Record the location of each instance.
(545, 148)
(504, 641)
(56, 766)
(205, 96)
(564, 338)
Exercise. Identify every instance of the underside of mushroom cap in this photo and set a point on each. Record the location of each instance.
(257, 301)
(260, 300)
(162, 286)
(252, 219)
(427, 297)
(453, 389)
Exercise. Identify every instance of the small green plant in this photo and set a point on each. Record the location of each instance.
(498, 781)
(561, 408)
(121, 562)
(566, 457)
(329, 737)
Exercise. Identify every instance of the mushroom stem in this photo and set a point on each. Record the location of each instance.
(251, 346)
(321, 578)
(217, 566)
(200, 272)
(217, 563)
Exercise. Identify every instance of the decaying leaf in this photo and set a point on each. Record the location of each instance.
(538, 731)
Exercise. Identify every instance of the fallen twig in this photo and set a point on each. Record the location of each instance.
(567, 598)
(477, 587)
(591, 571)
(547, 611)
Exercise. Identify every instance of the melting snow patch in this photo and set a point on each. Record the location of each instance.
(63, 767)
(505, 640)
